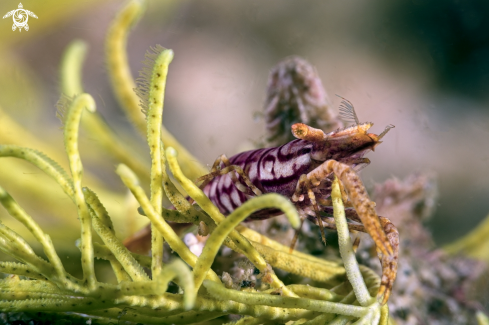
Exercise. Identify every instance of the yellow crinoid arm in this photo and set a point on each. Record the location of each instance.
(475, 244)
(71, 85)
(124, 85)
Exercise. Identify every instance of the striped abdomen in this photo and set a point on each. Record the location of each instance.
(274, 170)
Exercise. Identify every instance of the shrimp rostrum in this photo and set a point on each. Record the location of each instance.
(303, 170)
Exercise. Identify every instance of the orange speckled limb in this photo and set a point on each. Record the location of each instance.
(382, 231)
(359, 198)
(389, 263)
(249, 189)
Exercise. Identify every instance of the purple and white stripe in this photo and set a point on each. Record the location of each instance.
(274, 170)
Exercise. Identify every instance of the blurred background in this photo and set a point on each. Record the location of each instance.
(422, 66)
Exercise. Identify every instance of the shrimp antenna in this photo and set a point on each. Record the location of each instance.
(387, 128)
(347, 111)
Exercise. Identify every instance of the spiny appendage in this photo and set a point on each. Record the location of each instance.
(298, 196)
(224, 188)
(312, 198)
(364, 207)
(387, 245)
(382, 231)
(249, 188)
(144, 80)
(215, 171)
(389, 263)
(307, 183)
(62, 106)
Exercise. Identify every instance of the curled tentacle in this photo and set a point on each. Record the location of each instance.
(389, 263)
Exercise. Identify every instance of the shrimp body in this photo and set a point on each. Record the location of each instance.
(303, 171)
(271, 170)
(278, 169)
